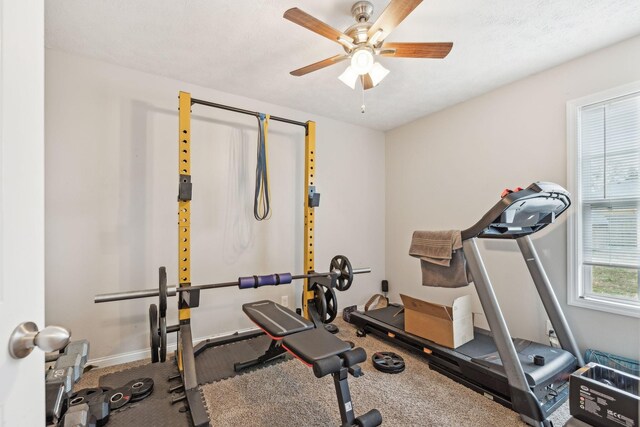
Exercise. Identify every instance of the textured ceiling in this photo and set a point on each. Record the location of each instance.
(246, 47)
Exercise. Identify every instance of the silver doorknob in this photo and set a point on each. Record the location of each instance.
(26, 336)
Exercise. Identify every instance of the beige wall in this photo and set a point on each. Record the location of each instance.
(111, 187)
(446, 170)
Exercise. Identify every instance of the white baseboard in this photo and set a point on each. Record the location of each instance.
(132, 356)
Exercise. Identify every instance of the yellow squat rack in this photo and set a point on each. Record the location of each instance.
(185, 354)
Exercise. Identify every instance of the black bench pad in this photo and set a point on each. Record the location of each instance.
(315, 344)
(276, 320)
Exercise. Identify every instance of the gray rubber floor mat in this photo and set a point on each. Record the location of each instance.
(216, 363)
(155, 410)
(213, 364)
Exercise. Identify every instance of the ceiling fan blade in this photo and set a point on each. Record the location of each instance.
(416, 50)
(307, 21)
(318, 65)
(367, 83)
(392, 16)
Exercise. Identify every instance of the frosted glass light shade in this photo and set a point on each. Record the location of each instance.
(349, 77)
(377, 73)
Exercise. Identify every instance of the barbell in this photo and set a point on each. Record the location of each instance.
(340, 269)
(341, 276)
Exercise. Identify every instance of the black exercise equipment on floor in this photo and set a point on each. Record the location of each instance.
(315, 347)
(388, 362)
(529, 377)
(69, 365)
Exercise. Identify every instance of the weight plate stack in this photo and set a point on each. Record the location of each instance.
(154, 338)
(85, 395)
(140, 388)
(162, 289)
(163, 339)
(319, 301)
(119, 397)
(162, 311)
(388, 362)
(326, 302)
(332, 305)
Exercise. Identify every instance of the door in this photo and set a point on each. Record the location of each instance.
(21, 205)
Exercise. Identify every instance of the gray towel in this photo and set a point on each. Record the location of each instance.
(441, 258)
(435, 246)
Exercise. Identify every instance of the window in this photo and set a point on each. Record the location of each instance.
(604, 176)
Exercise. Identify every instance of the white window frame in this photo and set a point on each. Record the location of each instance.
(575, 282)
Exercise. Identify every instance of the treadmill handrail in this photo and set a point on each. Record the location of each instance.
(536, 190)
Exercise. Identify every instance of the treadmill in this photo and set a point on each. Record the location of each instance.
(526, 376)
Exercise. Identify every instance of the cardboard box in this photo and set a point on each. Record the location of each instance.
(450, 326)
(604, 397)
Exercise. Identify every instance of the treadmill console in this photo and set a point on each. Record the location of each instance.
(522, 212)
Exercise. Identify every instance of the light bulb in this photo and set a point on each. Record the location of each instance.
(349, 77)
(362, 60)
(377, 73)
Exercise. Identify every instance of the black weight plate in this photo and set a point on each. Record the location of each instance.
(319, 300)
(141, 397)
(139, 387)
(163, 339)
(332, 305)
(388, 362)
(330, 327)
(326, 302)
(162, 292)
(84, 395)
(345, 279)
(118, 397)
(154, 338)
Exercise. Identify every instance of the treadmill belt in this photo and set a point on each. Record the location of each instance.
(481, 345)
(391, 315)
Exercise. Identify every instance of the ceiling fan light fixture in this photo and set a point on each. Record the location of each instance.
(349, 77)
(362, 60)
(377, 73)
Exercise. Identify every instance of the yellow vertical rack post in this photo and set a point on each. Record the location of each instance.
(309, 221)
(184, 209)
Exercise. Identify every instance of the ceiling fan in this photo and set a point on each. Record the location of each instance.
(364, 40)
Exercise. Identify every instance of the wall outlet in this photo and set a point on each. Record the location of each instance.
(284, 300)
(551, 333)
(549, 327)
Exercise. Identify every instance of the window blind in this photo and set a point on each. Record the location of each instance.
(610, 181)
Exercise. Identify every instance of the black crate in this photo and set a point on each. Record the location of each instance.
(604, 397)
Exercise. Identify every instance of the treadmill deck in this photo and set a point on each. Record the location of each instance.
(476, 364)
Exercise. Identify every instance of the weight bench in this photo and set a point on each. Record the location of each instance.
(316, 348)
